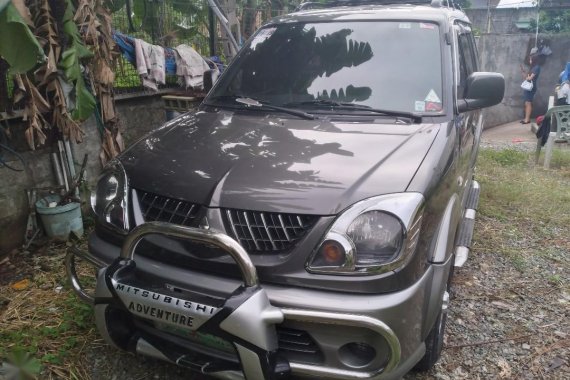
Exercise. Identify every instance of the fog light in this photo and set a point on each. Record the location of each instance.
(356, 354)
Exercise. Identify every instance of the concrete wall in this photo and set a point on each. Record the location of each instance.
(137, 116)
(505, 54)
(502, 20)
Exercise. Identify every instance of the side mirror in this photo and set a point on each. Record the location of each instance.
(482, 90)
(210, 77)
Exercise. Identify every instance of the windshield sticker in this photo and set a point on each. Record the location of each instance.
(432, 97)
(420, 106)
(424, 25)
(433, 107)
(405, 25)
(261, 37)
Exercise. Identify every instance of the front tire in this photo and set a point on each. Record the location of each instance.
(434, 341)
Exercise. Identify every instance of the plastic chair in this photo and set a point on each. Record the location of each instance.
(560, 115)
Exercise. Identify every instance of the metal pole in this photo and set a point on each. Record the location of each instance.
(537, 20)
(212, 30)
(57, 169)
(63, 164)
(488, 16)
(224, 22)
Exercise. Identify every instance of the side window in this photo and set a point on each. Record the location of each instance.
(466, 57)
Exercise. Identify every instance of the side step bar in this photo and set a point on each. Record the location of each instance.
(465, 233)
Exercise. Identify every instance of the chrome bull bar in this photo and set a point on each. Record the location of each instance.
(222, 241)
(70, 257)
(226, 243)
(250, 280)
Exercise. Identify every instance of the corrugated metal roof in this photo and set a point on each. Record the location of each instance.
(482, 4)
(516, 4)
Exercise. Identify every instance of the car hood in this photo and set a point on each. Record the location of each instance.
(253, 161)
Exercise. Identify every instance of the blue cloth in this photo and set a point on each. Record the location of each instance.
(127, 46)
(528, 96)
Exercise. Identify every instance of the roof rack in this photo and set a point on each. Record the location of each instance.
(352, 3)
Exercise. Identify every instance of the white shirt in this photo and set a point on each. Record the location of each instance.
(564, 92)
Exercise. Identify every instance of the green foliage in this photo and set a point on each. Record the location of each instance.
(20, 365)
(165, 23)
(70, 63)
(18, 45)
(553, 22)
(75, 319)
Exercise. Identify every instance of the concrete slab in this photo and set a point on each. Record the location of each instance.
(514, 132)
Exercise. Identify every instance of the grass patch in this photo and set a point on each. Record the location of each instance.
(524, 210)
(505, 157)
(45, 325)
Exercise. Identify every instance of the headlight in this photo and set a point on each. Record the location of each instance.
(109, 200)
(372, 236)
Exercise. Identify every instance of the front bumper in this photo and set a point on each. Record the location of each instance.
(246, 315)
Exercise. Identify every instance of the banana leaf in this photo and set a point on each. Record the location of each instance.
(70, 63)
(84, 101)
(18, 46)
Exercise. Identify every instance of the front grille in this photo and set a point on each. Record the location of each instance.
(266, 231)
(157, 208)
(298, 345)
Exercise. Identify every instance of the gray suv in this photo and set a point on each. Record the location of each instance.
(306, 220)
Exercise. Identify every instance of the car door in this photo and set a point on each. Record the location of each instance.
(468, 123)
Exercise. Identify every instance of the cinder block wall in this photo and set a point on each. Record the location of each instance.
(138, 115)
(504, 54)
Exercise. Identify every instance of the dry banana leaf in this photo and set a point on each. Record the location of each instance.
(24, 11)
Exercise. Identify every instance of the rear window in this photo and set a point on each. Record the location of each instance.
(388, 65)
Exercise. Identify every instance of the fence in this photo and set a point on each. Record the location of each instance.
(172, 22)
(167, 23)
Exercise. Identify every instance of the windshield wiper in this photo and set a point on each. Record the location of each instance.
(357, 107)
(251, 102)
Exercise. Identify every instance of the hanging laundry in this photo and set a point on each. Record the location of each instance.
(190, 67)
(150, 64)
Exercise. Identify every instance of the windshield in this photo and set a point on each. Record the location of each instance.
(386, 65)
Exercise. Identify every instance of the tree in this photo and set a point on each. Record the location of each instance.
(553, 21)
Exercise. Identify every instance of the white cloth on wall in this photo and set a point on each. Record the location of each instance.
(150, 64)
(190, 67)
